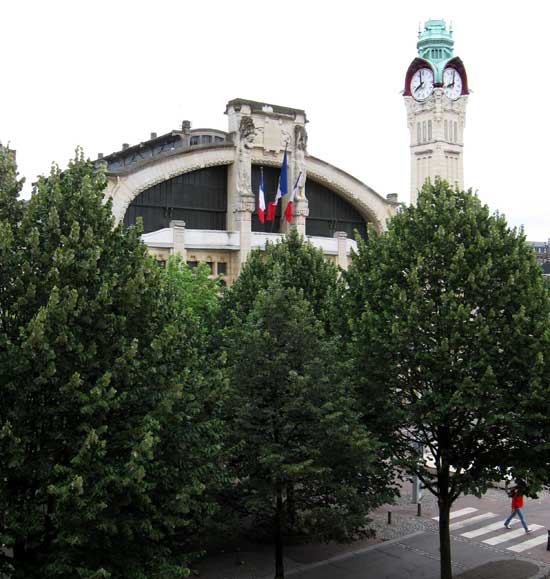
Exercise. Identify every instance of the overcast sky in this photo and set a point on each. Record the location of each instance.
(101, 73)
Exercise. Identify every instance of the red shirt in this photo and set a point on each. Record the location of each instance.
(517, 501)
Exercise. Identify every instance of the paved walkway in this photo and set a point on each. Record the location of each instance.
(408, 548)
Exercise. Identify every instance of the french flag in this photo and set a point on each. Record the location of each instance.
(288, 211)
(261, 197)
(282, 189)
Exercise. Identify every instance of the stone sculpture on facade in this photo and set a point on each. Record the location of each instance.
(300, 140)
(300, 208)
(247, 133)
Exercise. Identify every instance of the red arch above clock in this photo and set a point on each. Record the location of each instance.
(416, 64)
(458, 65)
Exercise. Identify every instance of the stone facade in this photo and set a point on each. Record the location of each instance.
(542, 251)
(436, 129)
(258, 134)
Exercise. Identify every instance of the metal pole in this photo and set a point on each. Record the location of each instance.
(416, 490)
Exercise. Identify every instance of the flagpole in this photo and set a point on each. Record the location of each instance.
(273, 220)
(262, 181)
(282, 212)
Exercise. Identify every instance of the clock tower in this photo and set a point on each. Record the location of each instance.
(436, 92)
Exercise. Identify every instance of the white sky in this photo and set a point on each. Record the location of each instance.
(101, 73)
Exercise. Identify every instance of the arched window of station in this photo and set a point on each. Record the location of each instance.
(199, 198)
(328, 213)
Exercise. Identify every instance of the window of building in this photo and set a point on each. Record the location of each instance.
(210, 264)
(424, 131)
(418, 133)
(218, 139)
(199, 198)
(446, 130)
(222, 268)
(194, 141)
(192, 264)
(161, 263)
(429, 130)
(206, 139)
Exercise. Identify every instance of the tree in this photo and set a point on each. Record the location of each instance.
(299, 265)
(198, 430)
(11, 206)
(105, 446)
(302, 463)
(11, 209)
(448, 316)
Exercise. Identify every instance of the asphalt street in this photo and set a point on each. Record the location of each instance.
(409, 547)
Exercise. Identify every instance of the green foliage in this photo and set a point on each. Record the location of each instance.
(302, 462)
(105, 443)
(196, 419)
(448, 316)
(11, 206)
(295, 425)
(448, 311)
(300, 265)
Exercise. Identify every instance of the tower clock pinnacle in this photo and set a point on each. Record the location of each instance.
(436, 93)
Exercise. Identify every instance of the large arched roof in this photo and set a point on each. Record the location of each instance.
(125, 185)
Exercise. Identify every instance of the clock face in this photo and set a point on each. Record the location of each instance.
(452, 82)
(422, 84)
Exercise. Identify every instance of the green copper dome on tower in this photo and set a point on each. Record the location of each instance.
(435, 44)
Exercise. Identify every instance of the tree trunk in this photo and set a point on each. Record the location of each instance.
(279, 567)
(444, 504)
(290, 505)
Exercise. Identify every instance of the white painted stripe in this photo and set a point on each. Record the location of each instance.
(458, 513)
(488, 529)
(472, 521)
(539, 540)
(510, 535)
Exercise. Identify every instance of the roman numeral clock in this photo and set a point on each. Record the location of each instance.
(436, 93)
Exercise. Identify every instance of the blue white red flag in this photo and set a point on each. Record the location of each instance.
(282, 189)
(288, 210)
(261, 197)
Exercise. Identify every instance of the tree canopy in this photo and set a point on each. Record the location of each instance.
(449, 320)
(300, 265)
(105, 447)
(304, 463)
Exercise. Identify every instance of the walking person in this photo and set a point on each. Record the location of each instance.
(517, 505)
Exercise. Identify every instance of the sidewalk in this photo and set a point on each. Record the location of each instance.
(408, 548)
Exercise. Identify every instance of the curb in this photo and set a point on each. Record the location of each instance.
(350, 555)
(542, 573)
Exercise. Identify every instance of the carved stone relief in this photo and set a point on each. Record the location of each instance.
(300, 148)
(247, 134)
(272, 135)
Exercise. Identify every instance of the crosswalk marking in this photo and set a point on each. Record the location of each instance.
(459, 513)
(487, 529)
(528, 544)
(518, 546)
(472, 521)
(509, 535)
